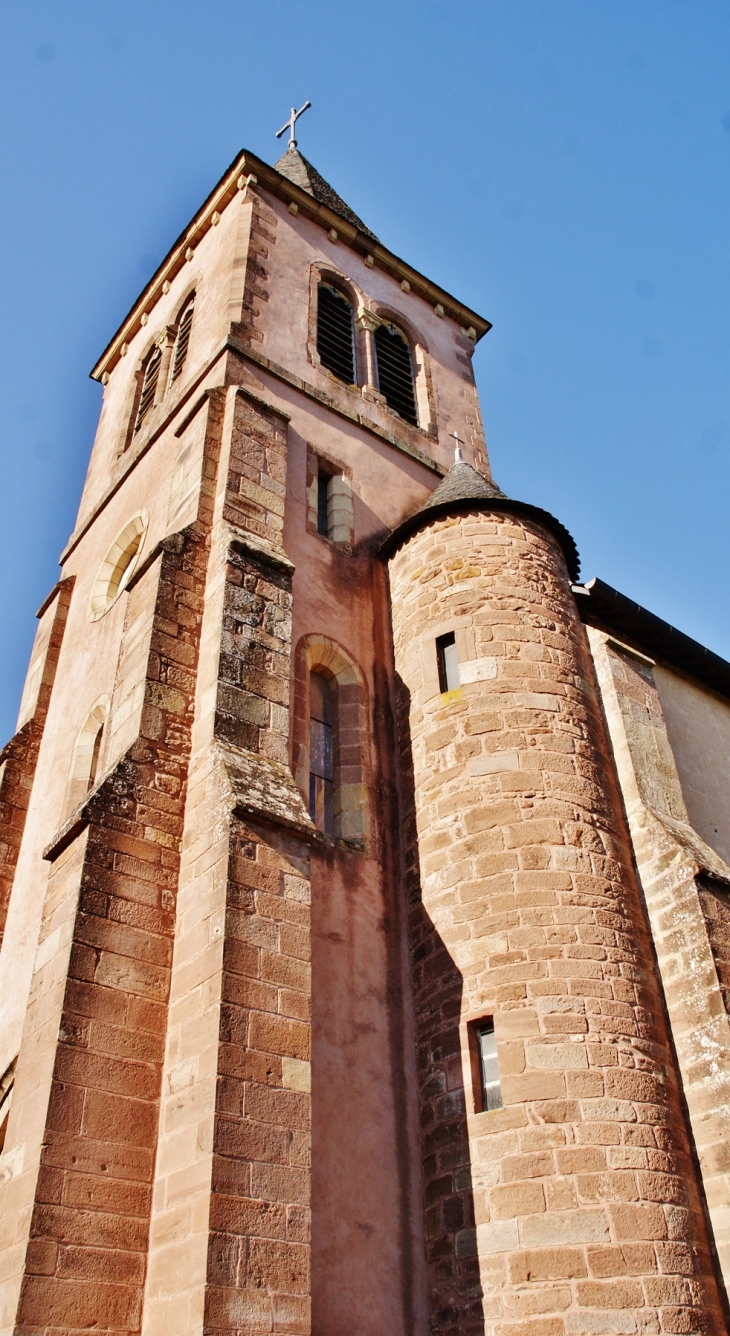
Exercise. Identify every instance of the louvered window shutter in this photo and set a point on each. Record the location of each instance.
(335, 333)
(182, 340)
(395, 372)
(149, 386)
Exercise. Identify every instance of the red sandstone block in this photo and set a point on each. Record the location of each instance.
(291, 1315)
(280, 1035)
(123, 1120)
(247, 1140)
(85, 1155)
(639, 1223)
(99, 1071)
(278, 1267)
(41, 1257)
(146, 1014)
(132, 976)
(285, 1108)
(533, 1086)
(101, 1193)
(661, 1187)
(271, 1182)
(535, 1165)
(610, 1294)
(516, 1199)
(89, 1228)
(532, 1326)
(547, 1264)
(241, 1216)
(139, 1045)
(54, 1304)
(65, 1108)
(106, 1264)
(238, 1309)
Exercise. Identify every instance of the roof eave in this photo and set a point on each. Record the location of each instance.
(422, 518)
(247, 164)
(607, 609)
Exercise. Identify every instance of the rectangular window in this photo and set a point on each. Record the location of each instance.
(448, 662)
(486, 1045)
(323, 485)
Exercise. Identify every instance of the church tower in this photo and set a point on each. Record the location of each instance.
(329, 1000)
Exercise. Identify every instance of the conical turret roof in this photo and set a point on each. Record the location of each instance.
(464, 489)
(295, 167)
(462, 482)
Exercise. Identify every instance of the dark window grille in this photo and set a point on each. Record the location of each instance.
(335, 333)
(323, 482)
(149, 387)
(395, 372)
(489, 1066)
(321, 754)
(448, 662)
(182, 340)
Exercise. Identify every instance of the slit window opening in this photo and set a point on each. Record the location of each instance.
(491, 1088)
(335, 333)
(448, 662)
(321, 754)
(323, 484)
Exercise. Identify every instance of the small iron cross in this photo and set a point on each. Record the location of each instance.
(291, 125)
(458, 457)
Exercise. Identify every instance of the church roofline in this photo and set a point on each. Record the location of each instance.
(247, 164)
(610, 611)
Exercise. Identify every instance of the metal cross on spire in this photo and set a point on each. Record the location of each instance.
(458, 456)
(291, 124)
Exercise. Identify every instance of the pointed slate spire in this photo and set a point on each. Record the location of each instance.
(295, 167)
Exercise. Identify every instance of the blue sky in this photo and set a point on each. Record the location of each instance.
(561, 165)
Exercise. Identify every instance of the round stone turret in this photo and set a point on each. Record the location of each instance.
(573, 1207)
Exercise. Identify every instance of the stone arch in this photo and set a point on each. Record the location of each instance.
(319, 654)
(87, 753)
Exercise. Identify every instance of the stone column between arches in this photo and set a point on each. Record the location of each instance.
(574, 1208)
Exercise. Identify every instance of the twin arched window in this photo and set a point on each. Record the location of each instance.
(393, 363)
(164, 362)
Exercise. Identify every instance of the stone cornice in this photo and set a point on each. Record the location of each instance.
(248, 168)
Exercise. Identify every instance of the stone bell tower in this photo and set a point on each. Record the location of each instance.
(328, 1001)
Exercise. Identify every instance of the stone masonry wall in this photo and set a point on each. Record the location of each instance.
(229, 1237)
(685, 885)
(586, 1213)
(19, 757)
(85, 1258)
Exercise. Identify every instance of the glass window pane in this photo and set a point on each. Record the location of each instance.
(451, 667)
(489, 1068)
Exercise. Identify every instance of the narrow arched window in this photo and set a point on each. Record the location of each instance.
(182, 339)
(335, 333)
(321, 753)
(86, 755)
(395, 372)
(149, 386)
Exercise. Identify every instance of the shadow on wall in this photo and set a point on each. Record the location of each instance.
(453, 1265)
